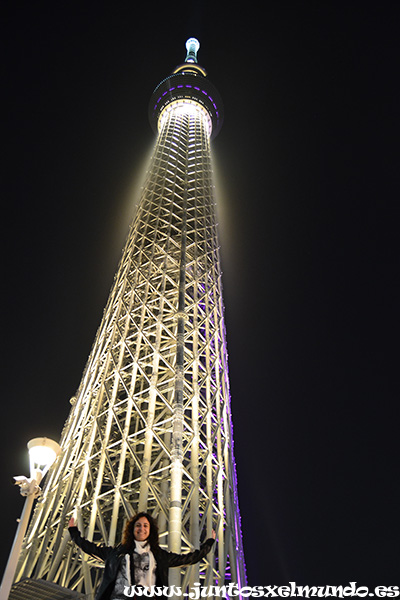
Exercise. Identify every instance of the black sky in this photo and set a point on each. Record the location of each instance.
(307, 183)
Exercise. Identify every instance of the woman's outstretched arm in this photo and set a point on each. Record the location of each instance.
(97, 550)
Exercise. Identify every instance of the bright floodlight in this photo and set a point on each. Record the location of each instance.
(42, 454)
(192, 46)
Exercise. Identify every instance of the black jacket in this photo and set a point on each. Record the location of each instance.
(114, 556)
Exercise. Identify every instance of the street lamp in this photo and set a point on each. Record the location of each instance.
(42, 454)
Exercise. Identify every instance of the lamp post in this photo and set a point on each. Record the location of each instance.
(42, 454)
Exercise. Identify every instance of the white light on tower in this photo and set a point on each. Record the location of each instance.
(192, 47)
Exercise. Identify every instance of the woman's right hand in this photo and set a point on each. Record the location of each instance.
(72, 522)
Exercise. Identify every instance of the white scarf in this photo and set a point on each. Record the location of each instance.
(147, 578)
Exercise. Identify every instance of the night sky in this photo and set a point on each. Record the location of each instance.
(307, 187)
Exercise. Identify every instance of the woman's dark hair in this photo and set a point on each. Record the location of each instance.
(128, 539)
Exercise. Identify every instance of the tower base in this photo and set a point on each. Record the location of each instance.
(39, 589)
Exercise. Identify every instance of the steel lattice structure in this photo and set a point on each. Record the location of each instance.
(150, 426)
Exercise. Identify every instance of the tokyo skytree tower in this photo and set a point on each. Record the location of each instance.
(150, 427)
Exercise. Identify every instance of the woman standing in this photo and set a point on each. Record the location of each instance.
(138, 560)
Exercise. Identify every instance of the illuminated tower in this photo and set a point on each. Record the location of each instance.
(150, 426)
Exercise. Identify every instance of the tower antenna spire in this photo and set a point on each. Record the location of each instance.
(192, 47)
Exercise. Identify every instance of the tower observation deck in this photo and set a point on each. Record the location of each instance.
(150, 426)
(188, 85)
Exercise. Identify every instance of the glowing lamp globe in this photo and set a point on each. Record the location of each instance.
(42, 454)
